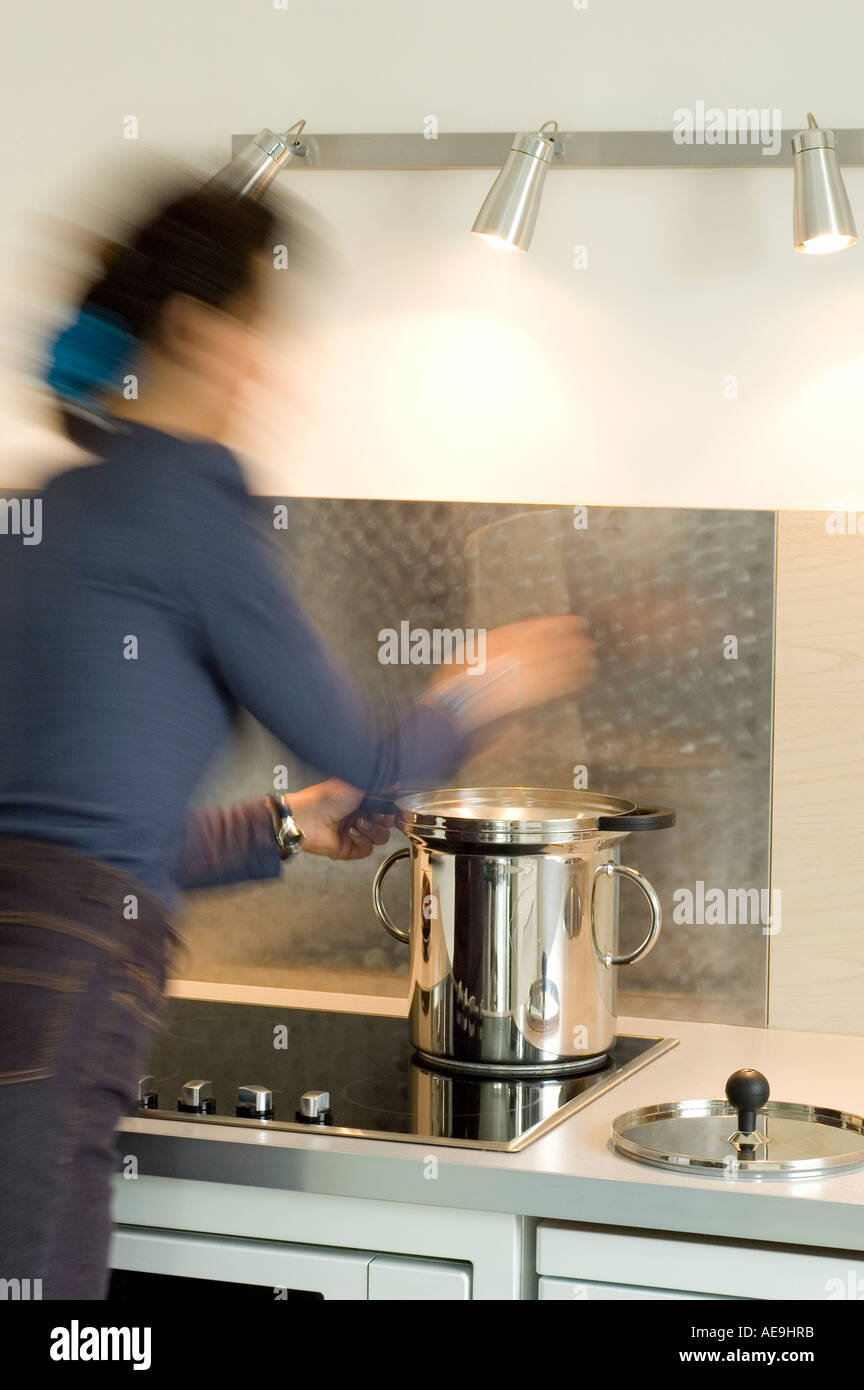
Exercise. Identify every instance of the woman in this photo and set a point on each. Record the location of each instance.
(147, 617)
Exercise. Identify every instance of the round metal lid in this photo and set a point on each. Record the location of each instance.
(519, 815)
(706, 1136)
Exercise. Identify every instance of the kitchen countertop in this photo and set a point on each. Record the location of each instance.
(571, 1173)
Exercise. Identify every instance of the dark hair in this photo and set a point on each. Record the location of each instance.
(201, 243)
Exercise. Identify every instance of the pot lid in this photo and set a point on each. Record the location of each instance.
(509, 814)
(744, 1136)
(520, 815)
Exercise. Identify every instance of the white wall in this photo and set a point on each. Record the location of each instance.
(443, 367)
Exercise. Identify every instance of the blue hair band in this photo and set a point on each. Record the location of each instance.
(89, 356)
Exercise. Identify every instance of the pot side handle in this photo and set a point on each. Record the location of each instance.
(610, 870)
(378, 902)
(643, 818)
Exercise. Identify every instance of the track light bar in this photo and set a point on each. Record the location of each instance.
(586, 149)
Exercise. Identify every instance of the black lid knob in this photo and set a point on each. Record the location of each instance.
(747, 1090)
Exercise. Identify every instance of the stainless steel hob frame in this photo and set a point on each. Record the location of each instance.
(521, 1141)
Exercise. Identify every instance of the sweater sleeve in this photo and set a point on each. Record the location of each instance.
(267, 653)
(228, 844)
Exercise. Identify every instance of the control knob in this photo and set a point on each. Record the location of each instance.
(254, 1103)
(314, 1109)
(195, 1099)
(147, 1097)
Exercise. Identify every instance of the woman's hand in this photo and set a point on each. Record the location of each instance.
(327, 815)
(527, 664)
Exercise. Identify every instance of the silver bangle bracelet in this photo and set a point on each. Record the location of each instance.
(462, 694)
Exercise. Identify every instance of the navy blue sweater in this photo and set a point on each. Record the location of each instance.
(150, 612)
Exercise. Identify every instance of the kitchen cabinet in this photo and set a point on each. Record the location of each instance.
(285, 1269)
(317, 1244)
(652, 1264)
(320, 1246)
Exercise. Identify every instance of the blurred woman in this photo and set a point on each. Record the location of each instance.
(151, 613)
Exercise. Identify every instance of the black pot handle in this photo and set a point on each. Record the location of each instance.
(377, 804)
(643, 818)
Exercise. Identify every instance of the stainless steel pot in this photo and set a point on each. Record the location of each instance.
(514, 910)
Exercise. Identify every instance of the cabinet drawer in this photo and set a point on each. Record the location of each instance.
(429, 1281)
(565, 1290)
(706, 1265)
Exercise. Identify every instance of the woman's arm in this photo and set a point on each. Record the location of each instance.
(233, 844)
(265, 650)
(228, 844)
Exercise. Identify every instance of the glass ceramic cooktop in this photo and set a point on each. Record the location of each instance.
(365, 1064)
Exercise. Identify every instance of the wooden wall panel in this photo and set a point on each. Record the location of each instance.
(816, 976)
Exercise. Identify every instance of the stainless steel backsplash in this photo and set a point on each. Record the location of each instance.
(680, 603)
